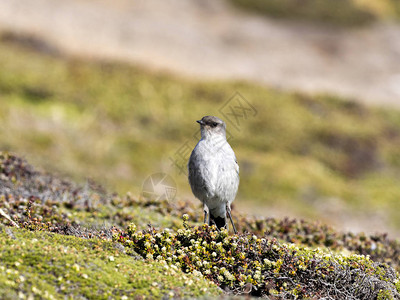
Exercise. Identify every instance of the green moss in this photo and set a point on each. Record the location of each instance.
(55, 266)
(385, 295)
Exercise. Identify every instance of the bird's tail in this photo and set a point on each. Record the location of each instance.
(218, 221)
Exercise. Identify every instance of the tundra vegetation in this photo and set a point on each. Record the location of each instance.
(80, 241)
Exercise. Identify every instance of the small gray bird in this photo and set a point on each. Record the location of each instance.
(214, 172)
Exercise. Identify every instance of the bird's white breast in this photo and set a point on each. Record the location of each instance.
(215, 165)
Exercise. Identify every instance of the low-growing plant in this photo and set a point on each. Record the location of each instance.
(247, 264)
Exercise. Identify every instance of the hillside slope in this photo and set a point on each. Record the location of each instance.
(319, 157)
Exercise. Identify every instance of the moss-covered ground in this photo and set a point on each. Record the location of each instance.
(53, 266)
(80, 241)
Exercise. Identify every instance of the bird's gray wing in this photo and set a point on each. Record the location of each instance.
(198, 177)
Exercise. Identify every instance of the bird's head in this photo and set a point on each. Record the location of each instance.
(211, 126)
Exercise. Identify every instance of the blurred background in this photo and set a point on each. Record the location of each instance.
(310, 90)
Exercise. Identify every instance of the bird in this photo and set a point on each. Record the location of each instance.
(213, 172)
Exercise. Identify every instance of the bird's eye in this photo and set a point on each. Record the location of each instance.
(214, 124)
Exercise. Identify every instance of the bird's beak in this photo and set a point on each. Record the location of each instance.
(200, 122)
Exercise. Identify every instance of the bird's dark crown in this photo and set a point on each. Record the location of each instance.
(211, 121)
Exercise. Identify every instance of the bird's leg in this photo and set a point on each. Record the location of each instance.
(205, 208)
(228, 209)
